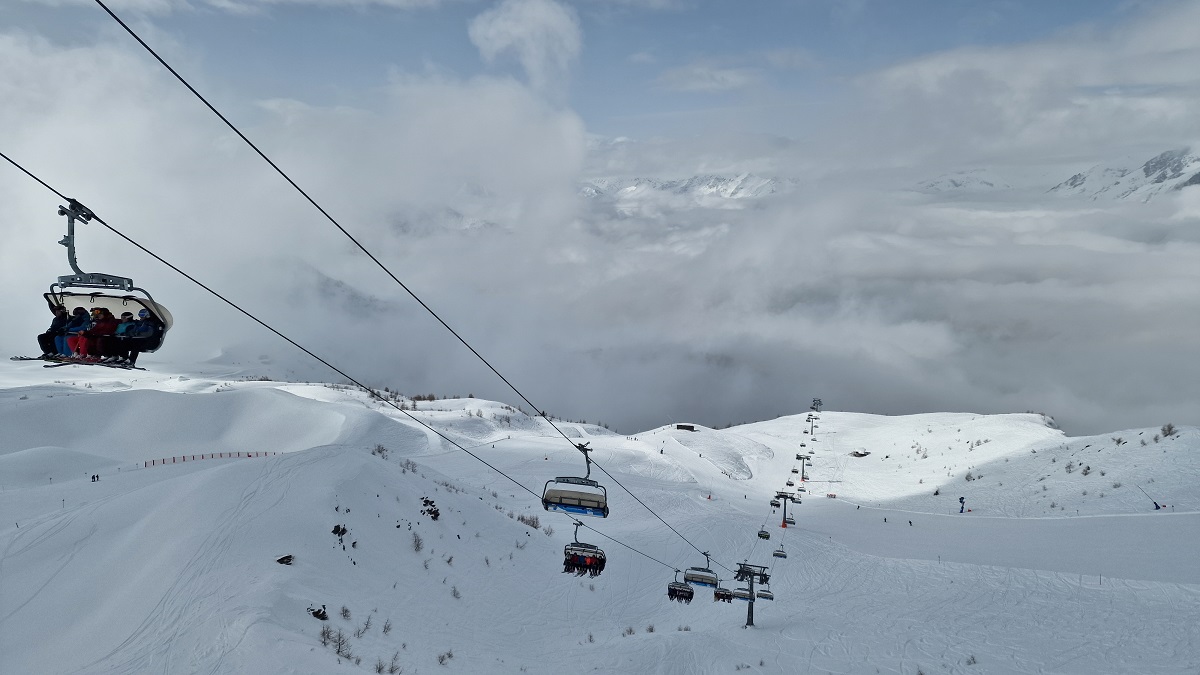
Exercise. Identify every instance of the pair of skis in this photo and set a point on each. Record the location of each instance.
(59, 364)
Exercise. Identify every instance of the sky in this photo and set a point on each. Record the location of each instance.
(454, 137)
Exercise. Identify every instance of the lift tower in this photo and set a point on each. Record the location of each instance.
(750, 574)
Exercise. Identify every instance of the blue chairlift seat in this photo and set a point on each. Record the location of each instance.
(701, 576)
(765, 595)
(580, 496)
(742, 594)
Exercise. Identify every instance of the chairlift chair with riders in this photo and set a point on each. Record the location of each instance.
(115, 293)
(790, 483)
(775, 503)
(680, 591)
(763, 534)
(702, 576)
(581, 558)
(580, 496)
(722, 594)
(795, 470)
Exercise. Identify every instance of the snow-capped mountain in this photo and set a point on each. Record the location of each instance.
(1169, 171)
(701, 189)
(973, 180)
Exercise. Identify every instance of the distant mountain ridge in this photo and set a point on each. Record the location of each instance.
(973, 180)
(700, 187)
(1169, 171)
(1166, 172)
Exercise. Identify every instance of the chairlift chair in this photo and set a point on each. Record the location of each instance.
(580, 496)
(795, 470)
(780, 553)
(789, 520)
(581, 558)
(790, 483)
(775, 503)
(763, 534)
(722, 595)
(701, 576)
(680, 591)
(117, 294)
(765, 594)
(742, 594)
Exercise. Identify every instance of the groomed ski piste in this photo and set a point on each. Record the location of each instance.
(172, 568)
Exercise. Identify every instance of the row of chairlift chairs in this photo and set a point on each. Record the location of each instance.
(586, 497)
(581, 497)
(682, 591)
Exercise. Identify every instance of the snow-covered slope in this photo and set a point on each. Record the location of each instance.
(172, 568)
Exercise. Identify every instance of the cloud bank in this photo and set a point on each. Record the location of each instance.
(645, 308)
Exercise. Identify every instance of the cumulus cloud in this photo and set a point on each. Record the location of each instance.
(845, 285)
(543, 35)
(1085, 88)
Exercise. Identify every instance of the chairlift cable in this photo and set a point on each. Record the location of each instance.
(365, 251)
(44, 183)
(370, 392)
(322, 210)
(262, 323)
(646, 555)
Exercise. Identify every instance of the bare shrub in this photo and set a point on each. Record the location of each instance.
(417, 542)
(345, 612)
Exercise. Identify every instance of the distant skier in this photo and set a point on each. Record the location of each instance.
(962, 504)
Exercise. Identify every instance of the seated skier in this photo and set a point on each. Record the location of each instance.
(58, 327)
